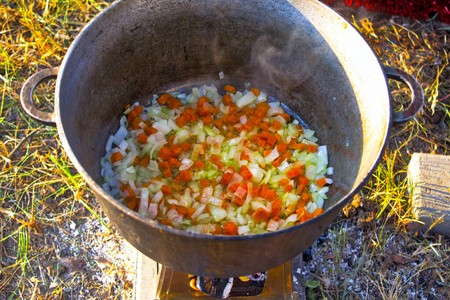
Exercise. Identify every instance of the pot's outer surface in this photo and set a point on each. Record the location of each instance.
(300, 52)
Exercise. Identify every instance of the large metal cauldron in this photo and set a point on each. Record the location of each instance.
(300, 52)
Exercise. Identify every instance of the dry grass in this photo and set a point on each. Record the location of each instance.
(51, 224)
(375, 249)
(45, 205)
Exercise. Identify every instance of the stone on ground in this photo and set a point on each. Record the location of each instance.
(429, 177)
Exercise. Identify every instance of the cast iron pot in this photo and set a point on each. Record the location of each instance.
(300, 52)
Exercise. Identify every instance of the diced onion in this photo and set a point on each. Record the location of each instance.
(200, 193)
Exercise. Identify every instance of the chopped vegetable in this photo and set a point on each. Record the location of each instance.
(229, 164)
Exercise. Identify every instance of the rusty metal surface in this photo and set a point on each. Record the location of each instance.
(300, 52)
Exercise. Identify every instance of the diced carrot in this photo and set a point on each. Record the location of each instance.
(135, 123)
(277, 162)
(136, 160)
(138, 109)
(150, 130)
(239, 201)
(264, 190)
(264, 126)
(186, 146)
(317, 212)
(227, 99)
(230, 228)
(244, 185)
(181, 210)
(276, 208)
(249, 111)
(293, 173)
(132, 203)
(181, 121)
(164, 98)
(261, 214)
(116, 156)
(282, 147)
(142, 138)
(286, 116)
(261, 111)
(284, 182)
(233, 109)
(215, 159)
(207, 119)
(166, 190)
(165, 221)
(175, 150)
(189, 110)
(299, 146)
(271, 140)
(218, 122)
(174, 103)
(249, 125)
(300, 189)
(231, 120)
(255, 191)
(164, 165)
(266, 152)
(127, 106)
(167, 173)
(276, 125)
(131, 116)
(306, 197)
(262, 142)
(226, 177)
(301, 204)
(170, 139)
(300, 211)
(204, 182)
(173, 162)
(202, 100)
(232, 188)
(186, 175)
(288, 188)
(312, 148)
(164, 153)
(224, 204)
(244, 156)
(199, 164)
(303, 180)
(271, 195)
(255, 92)
(321, 182)
(128, 191)
(190, 212)
(230, 89)
(306, 216)
(264, 134)
(144, 161)
(217, 230)
(245, 172)
(202, 111)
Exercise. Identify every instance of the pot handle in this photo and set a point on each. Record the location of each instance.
(26, 96)
(417, 97)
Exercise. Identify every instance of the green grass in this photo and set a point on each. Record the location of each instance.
(36, 178)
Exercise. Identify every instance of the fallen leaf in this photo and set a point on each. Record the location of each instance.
(398, 259)
(72, 263)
